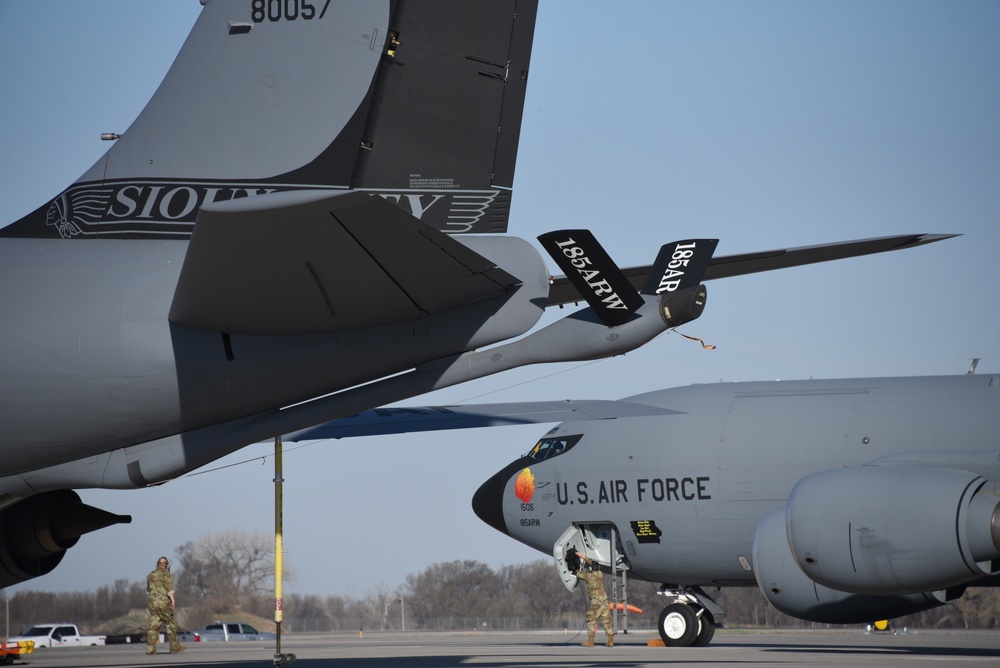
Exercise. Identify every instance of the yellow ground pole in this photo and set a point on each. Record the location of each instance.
(279, 658)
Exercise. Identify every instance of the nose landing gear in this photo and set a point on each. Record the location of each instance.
(687, 621)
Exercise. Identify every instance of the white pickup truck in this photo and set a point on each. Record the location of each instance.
(58, 635)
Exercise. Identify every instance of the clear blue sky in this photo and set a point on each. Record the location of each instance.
(765, 124)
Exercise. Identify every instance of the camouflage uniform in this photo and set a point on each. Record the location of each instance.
(160, 587)
(597, 605)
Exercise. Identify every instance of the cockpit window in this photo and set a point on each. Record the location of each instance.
(552, 447)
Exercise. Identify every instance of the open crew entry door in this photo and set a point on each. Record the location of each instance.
(591, 540)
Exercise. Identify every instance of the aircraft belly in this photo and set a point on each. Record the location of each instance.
(702, 552)
(266, 372)
(94, 367)
(258, 372)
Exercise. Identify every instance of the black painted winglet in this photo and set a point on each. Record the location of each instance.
(594, 274)
(679, 265)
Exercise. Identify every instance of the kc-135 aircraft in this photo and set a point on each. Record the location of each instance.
(306, 221)
(845, 501)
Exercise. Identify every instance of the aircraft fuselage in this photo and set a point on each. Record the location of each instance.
(685, 493)
(100, 367)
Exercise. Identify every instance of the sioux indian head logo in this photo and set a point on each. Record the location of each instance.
(524, 486)
(76, 209)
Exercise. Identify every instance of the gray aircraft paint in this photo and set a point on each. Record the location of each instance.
(293, 101)
(751, 442)
(272, 97)
(886, 486)
(844, 501)
(101, 367)
(213, 282)
(135, 350)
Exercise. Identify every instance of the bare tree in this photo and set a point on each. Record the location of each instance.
(228, 570)
(452, 590)
(306, 612)
(378, 600)
(534, 591)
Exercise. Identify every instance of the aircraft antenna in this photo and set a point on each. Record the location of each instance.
(972, 367)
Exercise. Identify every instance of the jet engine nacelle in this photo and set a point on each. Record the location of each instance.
(789, 590)
(36, 532)
(889, 530)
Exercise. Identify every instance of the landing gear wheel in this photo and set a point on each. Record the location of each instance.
(678, 625)
(707, 631)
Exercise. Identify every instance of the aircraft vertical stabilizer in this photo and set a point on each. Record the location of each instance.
(266, 97)
(459, 74)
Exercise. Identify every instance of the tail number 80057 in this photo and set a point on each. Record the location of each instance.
(285, 10)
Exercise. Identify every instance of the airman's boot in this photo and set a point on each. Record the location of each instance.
(611, 640)
(589, 643)
(150, 649)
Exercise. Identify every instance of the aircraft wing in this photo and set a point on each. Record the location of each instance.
(399, 420)
(320, 261)
(561, 291)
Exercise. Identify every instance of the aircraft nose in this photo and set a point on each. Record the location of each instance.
(487, 502)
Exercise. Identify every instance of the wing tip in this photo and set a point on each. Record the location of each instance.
(922, 239)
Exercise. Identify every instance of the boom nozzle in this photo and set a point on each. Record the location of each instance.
(683, 306)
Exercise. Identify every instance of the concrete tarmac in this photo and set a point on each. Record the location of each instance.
(848, 648)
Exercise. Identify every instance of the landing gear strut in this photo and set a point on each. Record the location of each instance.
(688, 620)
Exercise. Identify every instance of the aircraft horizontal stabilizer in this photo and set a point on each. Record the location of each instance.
(322, 261)
(563, 291)
(399, 420)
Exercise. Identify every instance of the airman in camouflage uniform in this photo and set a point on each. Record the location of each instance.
(160, 587)
(597, 603)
